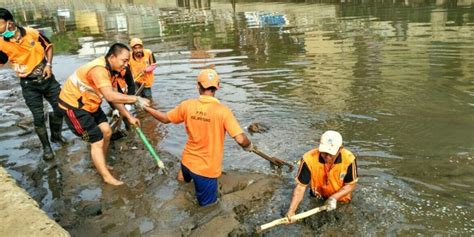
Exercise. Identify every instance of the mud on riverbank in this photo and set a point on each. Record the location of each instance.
(150, 203)
(20, 214)
(72, 193)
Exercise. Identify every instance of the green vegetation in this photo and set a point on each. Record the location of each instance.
(66, 42)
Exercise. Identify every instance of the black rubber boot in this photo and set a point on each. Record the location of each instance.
(56, 126)
(43, 136)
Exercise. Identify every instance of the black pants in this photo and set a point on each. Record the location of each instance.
(34, 91)
(85, 124)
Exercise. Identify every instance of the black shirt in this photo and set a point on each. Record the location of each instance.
(130, 82)
(3, 58)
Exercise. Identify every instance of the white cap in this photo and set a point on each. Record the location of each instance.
(330, 142)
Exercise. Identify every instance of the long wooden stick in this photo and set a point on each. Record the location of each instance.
(294, 218)
(273, 160)
(140, 89)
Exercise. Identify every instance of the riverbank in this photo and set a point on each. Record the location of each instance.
(152, 203)
(20, 214)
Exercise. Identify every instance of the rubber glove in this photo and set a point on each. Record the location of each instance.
(332, 204)
(115, 113)
(150, 68)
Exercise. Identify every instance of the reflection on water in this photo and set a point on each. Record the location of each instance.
(394, 77)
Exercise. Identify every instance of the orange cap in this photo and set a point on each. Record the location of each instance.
(135, 41)
(208, 78)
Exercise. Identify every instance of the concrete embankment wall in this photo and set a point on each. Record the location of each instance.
(20, 215)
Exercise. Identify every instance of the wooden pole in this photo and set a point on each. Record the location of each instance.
(294, 218)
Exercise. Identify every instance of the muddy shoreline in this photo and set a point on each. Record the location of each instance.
(153, 203)
(150, 202)
(21, 215)
(71, 192)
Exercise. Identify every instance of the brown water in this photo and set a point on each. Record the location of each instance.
(396, 78)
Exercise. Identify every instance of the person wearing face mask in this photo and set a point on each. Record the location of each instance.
(30, 54)
(142, 64)
(330, 171)
(81, 97)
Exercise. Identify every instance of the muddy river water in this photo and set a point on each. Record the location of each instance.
(396, 78)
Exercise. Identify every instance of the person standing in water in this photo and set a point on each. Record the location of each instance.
(142, 64)
(81, 97)
(330, 171)
(206, 121)
(30, 54)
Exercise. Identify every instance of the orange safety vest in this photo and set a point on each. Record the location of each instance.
(79, 90)
(328, 183)
(138, 65)
(26, 54)
(120, 82)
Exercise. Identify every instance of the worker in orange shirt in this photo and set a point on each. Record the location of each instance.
(81, 97)
(125, 85)
(330, 171)
(142, 64)
(31, 55)
(206, 121)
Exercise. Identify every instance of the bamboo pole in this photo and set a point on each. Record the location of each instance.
(294, 218)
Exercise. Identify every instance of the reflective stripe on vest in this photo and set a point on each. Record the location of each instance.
(83, 87)
(79, 92)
